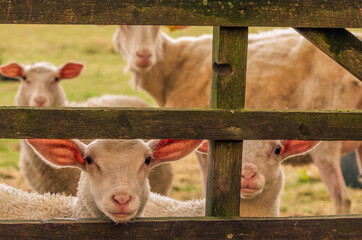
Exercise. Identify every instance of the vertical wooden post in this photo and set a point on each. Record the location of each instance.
(228, 92)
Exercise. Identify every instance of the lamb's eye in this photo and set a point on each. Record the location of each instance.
(278, 150)
(24, 78)
(148, 160)
(56, 79)
(89, 160)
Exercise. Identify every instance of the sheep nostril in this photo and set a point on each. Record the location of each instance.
(121, 199)
(249, 175)
(142, 54)
(254, 175)
(40, 101)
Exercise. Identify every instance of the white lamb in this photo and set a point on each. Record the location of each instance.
(39, 86)
(114, 181)
(284, 71)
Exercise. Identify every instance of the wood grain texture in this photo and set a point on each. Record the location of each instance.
(295, 13)
(303, 228)
(227, 92)
(128, 123)
(339, 44)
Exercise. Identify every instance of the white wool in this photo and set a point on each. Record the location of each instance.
(18, 204)
(284, 71)
(161, 206)
(111, 101)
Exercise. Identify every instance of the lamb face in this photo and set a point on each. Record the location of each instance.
(261, 168)
(139, 45)
(39, 82)
(117, 172)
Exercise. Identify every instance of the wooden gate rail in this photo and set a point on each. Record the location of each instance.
(229, 125)
(341, 45)
(267, 13)
(28, 122)
(297, 228)
(227, 92)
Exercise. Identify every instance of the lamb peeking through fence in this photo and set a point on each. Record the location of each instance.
(40, 86)
(114, 179)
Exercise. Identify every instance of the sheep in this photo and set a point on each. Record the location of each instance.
(18, 204)
(166, 68)
(163, 66)
(114, 181)
(39, 86)
(284, 71)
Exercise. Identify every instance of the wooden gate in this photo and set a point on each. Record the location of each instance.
(226, 124)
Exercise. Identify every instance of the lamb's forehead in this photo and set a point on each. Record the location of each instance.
(118, 148)
(258, 148)
(40, 68)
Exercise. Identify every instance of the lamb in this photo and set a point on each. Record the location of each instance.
(39, 86)
(114, 181)
(177, 73)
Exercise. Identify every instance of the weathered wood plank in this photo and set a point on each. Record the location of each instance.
(341, 227)
(339, 44)
(296, 13)
(18, 122)
(228, 92)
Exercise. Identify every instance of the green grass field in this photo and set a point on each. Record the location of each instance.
(304, 192)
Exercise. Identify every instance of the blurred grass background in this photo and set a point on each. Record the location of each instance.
(304, 193)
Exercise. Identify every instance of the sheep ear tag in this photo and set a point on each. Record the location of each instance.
(60, 152)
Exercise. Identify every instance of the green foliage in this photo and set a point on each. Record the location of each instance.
(283, 209)
(9, 153)
(303, 177)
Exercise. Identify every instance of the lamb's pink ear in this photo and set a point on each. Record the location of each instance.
(296, 147)
(167, 150)
(14, 70)
(203, 147)
(60, 152)
(70, 70)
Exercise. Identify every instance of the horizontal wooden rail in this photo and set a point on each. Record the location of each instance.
(327, 227)
(128, 123)
(341, 45)
(276, 13)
